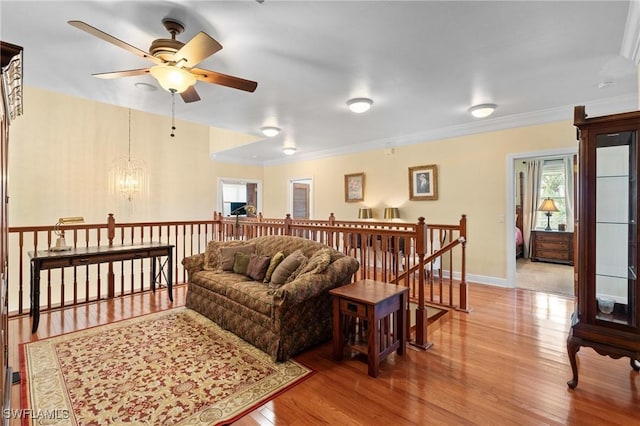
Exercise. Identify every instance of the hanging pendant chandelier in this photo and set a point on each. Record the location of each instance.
(128, 177)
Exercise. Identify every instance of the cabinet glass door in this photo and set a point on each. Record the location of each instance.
(616, 221)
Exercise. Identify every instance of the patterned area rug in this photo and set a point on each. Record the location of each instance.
(171, 368)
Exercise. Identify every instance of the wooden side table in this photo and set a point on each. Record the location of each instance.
(370, 317)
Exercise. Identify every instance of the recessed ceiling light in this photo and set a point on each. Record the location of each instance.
(270, 131)
(482, 110)
(359, 105)
(145, 86)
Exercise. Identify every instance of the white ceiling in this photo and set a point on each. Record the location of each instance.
(424, 63)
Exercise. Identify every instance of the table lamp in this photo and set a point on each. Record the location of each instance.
(391, 213)
(61, 244)
(365, 213)
(548, 206)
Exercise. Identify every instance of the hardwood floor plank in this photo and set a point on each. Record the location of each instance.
(503, 363)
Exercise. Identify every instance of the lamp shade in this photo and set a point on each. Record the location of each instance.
(365, 213)
(173, 79)
(391, 213)
(548, 205)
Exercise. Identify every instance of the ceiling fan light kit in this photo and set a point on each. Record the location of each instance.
(174, 61)
(172, 78)
(482, 110)
(359, 105)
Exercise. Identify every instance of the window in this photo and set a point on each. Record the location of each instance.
(552, 186)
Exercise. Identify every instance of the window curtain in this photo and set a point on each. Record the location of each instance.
(529, 207)
(568, 191)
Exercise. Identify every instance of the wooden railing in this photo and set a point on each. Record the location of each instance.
(415, 255)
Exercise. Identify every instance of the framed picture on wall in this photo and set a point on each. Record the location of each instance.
(354, 187)
(423, 183)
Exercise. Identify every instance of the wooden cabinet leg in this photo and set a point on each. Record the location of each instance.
(572, 350)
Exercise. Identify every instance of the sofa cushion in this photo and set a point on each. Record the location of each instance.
(241, 263)
(217, 281)
(273, 264)
(227, 255)
(257, 267)
(253, 295)
(288, 267)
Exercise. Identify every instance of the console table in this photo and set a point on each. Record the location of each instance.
(80, 256)
(370, 317)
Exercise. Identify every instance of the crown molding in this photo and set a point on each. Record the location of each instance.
(630, 47)
(564, 113)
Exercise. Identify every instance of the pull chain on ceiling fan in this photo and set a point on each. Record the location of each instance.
(174, 61)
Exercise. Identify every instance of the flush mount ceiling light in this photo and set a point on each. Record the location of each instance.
(145, 86)
(359, 105)
(270, 131)
(482, 110)
(289, 148)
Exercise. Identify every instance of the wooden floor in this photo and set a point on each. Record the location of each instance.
(503, 363)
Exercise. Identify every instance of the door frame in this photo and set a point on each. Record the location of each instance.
(510, 221)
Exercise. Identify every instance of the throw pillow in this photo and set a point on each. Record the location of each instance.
(212, 253)
(318, 262)
(287, 267)
(275, 261)
(240, 263)
(212, 256)
(257, 268)
(227, 255)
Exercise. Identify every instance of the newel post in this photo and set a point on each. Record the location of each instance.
(287, 224)
(422, 318)
(464, 288)
(331, 235)
(111, 228)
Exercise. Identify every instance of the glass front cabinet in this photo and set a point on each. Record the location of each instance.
(607, 309)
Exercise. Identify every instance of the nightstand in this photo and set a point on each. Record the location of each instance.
(552, 246)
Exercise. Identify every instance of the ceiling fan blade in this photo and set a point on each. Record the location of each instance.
(118, 74)
(223, 79)
(190, 95)
(200, 47)
(111, 39)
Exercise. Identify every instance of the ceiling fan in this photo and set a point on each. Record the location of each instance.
(174, 61)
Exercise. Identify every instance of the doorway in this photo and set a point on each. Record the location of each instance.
(300, 198)
(522, 273)
(236, 193)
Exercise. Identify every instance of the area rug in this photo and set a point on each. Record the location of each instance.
(171, 368)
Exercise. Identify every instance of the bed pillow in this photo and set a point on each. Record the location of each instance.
(241, 263)
(273, 264)
(288, 267)
(257, 267)
(227, 255)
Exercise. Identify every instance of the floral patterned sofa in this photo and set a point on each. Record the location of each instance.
(283, 313)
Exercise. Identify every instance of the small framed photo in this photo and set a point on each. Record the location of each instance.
(354, 187)
(423, 183)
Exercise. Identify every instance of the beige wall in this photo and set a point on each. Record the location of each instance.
(62, 148)
(471, 180)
